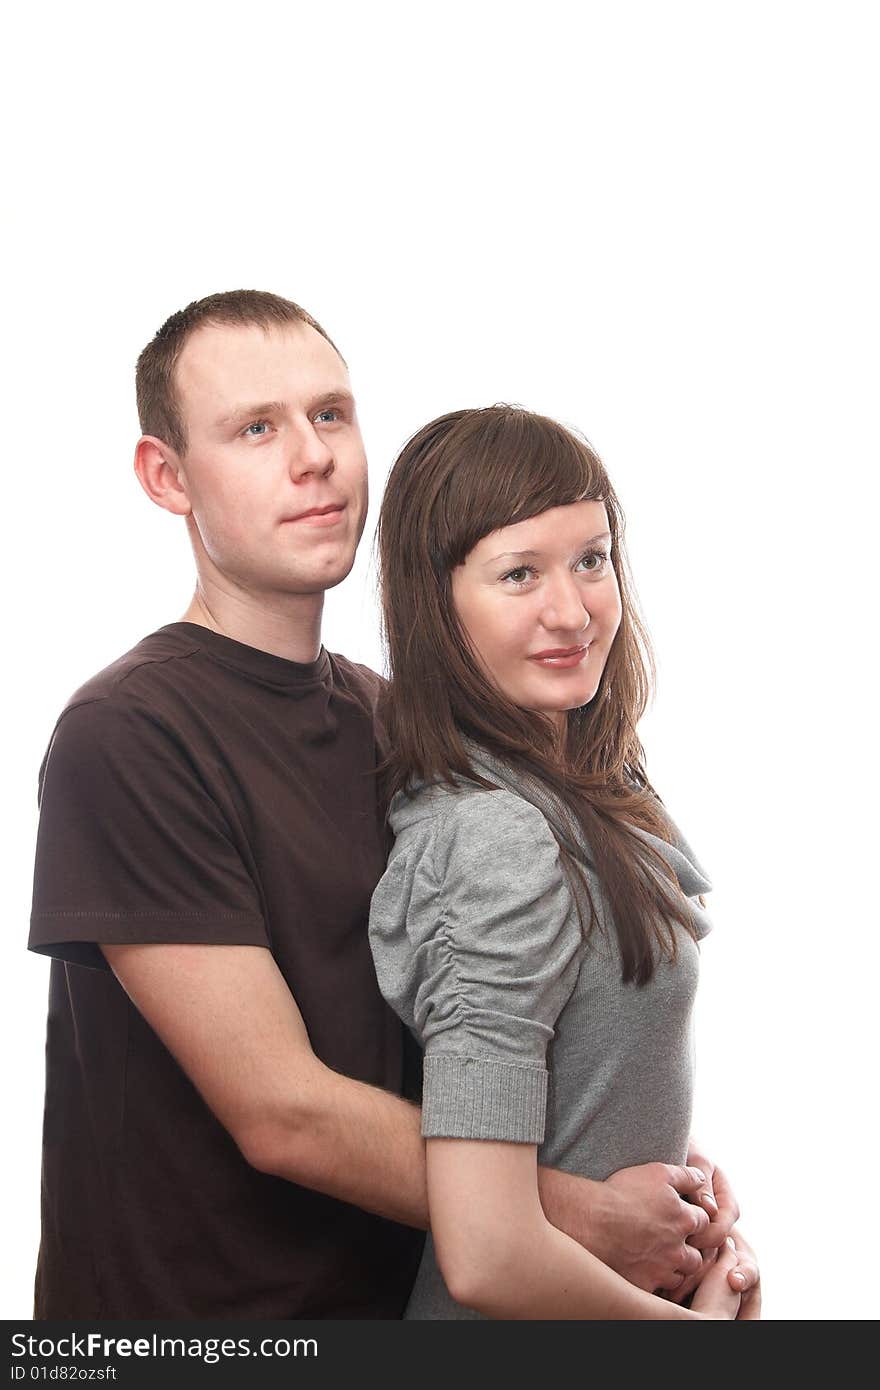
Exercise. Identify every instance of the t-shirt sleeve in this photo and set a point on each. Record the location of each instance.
(496, 942)
(132, 846)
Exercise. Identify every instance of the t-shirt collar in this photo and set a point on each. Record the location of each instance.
(252, 661)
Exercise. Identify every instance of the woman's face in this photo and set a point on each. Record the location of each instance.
(540, 604)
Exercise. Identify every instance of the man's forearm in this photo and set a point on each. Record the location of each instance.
(569, 1205)
(634, 1221)
(228, 1017)
(363, 1145)
(351, 1141)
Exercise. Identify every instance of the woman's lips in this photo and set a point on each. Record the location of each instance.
(562, 658)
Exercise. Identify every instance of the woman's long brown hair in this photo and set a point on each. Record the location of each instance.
(463, 476)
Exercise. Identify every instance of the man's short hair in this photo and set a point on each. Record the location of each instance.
(157, 400)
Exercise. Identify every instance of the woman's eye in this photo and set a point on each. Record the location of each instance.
(593, 561)
(257, 429)
(521, 575)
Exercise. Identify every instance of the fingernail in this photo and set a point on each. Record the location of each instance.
(731, 1242)
(708, 1200)
(700, 1174)
(740, 1279)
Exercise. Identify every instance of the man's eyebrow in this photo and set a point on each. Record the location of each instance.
(251, 412)
(536, 554)
(254, 412)
(340, 397)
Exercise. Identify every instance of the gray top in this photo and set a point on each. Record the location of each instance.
(528, 1031)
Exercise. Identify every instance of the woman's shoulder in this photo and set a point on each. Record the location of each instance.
(465, 810)
(478, 865)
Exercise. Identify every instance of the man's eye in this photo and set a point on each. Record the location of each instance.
(257, 429)
(328, 416)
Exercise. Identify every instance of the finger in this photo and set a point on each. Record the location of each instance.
(746, 1275)
(743, 1249)
(727, 1205)
(706, 1198)
(704, 1195)
(741, 1280)
(695, 1222)
(685, 1180)
(750, 1306)
(714, 1295)
(715, 1234)
(727, 1258)
(688, 1261)
(720, 1228)
(685, 1262)
(684, 1289)
(693, 1281)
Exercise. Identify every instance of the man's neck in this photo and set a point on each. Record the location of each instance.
(288, 625)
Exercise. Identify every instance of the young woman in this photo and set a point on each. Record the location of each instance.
(537, 925)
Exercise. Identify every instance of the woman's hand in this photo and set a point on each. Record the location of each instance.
(715, 1298)
(716, 1197)
(747, 1278)
(744, 1278)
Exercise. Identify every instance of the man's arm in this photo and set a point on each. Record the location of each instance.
(227, 1016)
(635, 1221)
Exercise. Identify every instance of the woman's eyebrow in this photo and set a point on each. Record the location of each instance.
(536, 554)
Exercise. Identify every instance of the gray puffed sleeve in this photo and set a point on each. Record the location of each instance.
(477, 944)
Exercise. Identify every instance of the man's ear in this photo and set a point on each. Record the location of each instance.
(159, 473)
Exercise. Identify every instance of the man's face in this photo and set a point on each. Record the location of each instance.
(274, 469)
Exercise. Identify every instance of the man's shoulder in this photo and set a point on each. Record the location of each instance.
(133, 689)
(157, 652)
(359, 681)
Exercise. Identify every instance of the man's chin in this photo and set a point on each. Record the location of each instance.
(320, 580)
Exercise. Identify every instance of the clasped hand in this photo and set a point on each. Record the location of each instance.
(662, 1227)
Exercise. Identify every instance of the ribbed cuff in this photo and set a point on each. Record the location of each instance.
(472, 1098)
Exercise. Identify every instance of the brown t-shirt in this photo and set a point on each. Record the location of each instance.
(199, 790)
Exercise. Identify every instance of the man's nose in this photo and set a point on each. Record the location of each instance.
(564, 609)
(309, 453)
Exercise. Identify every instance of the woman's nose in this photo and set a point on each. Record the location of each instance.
(564, 610)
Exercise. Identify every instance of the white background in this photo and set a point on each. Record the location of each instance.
(658, 222)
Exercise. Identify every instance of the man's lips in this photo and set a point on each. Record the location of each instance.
(319, 516)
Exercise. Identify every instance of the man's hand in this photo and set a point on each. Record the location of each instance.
(636, 1221)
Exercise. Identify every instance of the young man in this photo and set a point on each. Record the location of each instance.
(224, 1132)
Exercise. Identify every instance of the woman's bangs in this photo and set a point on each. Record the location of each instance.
(553, 469)
(521, 466)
